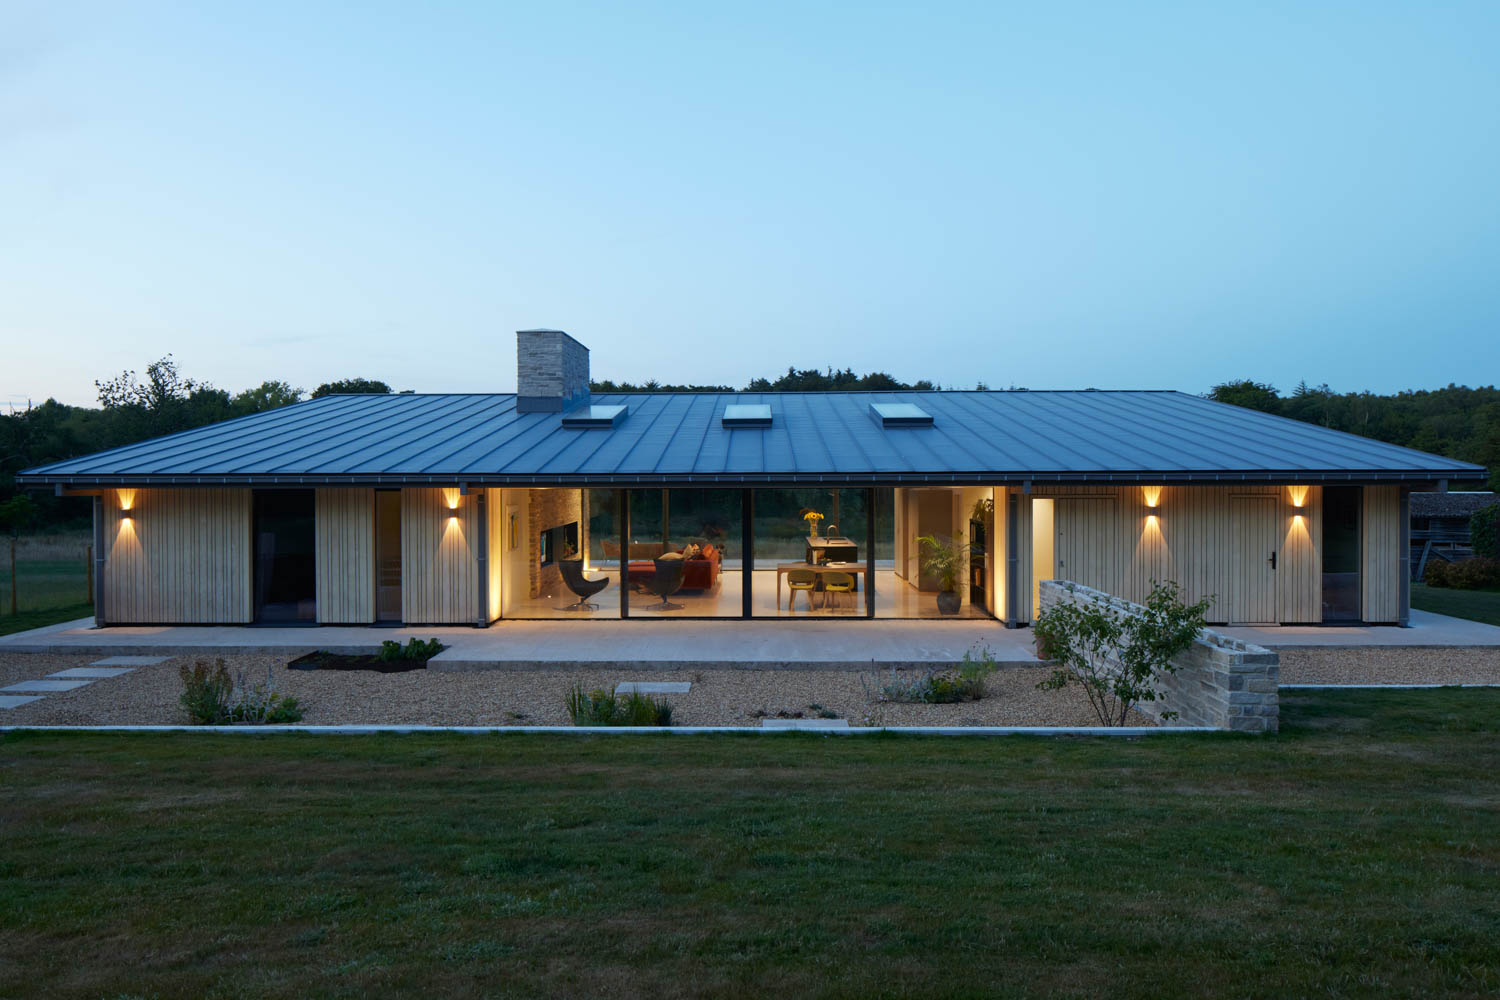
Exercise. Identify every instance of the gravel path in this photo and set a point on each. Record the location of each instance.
(1390, 665)
(502, 698)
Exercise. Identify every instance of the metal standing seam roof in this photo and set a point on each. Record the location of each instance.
(980, 436)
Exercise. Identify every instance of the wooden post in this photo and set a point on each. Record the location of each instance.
(88, 564)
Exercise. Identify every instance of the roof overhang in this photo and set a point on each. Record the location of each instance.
(1413, 478)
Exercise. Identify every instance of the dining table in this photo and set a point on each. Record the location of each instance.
(854, 569)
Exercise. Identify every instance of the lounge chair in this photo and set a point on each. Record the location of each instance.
(665, 583)
(580, 585)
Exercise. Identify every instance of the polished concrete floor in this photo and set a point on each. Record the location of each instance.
(894, 598)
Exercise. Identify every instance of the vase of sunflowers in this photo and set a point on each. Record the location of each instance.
(812, 518)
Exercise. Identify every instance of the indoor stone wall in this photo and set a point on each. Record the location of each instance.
(1219, 682)
(550, 509)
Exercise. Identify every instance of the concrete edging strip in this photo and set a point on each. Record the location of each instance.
(1378, 687)
(631, 730)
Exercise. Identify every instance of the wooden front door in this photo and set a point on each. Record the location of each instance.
(1254, 540)
(1088, 542)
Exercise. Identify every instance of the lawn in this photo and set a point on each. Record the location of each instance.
(1355, 854)
(1476, 605)
(51, 581)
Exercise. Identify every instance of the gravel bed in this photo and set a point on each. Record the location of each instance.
(149, 695)
(1390, 665)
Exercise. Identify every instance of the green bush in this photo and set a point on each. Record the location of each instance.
(1115, 655)
(1436, 574)
(601, 708)
(1479, 573)
(1484, 531)
(944, 685)
(416, 649)
(205, 691)
(212, 698)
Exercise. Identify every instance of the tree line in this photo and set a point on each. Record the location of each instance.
(1455, 421)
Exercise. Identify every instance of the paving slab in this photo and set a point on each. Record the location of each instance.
(45, 686)
(653, 687)
(128, 661)
(90, 673)
(17, 700)
(804, 723)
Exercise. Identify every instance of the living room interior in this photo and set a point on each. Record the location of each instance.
(562, 554)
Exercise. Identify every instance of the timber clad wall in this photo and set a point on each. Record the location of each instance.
(1105, 539)
(183, 556)
(346, 556)
(1380, 559)
(439, 558)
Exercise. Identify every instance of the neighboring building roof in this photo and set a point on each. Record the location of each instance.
(1450, 504)
(987, 437)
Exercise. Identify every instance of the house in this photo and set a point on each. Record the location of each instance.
(1440, 526)
(552, 503)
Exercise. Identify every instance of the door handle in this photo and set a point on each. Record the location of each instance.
(1273, 560)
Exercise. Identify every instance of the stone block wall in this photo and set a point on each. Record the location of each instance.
(1220, 681)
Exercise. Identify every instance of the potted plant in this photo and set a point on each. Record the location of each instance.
(812, 518)
(944, 558)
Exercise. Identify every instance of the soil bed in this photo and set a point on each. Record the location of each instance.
(323, 660)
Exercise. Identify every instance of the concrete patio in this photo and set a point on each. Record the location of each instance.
(1427, 629)
(671, 645)
(551, 645)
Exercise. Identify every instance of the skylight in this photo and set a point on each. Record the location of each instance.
(900, 415)
(593, 417)
(747, 415)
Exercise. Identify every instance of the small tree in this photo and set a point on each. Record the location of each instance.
(15, 514)
(1118, 656)
(1484, 531)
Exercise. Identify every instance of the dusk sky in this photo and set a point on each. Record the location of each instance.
(1041, 195)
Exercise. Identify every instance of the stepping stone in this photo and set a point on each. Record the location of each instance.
(17, 700)
(45, 686)
(804, 723)
(653, 687)
(91, 673)
(129, 661)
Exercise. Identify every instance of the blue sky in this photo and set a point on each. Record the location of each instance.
(1043, 195)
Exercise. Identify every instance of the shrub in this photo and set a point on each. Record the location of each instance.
(942, 685)
(1484, 531)
(1115, 655)
(1436, 574)
(416, 649)
(205, 691)
(1479, 573)
(212, 698)
(601, 708)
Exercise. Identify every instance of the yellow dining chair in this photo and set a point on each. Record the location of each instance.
(835, 584)
(800, 581)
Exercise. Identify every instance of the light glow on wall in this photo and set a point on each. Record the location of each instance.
(1298, 495)
(1152, 496)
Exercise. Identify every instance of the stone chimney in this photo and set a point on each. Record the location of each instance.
(552, 371)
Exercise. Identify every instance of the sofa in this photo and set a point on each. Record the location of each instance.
(700, 573)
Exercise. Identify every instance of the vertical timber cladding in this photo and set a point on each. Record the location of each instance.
(181, 556)
(1380, 554)
(1180, 533)
(345, 556)
(439, 561)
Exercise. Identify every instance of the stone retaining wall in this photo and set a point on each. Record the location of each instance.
(1220, 681)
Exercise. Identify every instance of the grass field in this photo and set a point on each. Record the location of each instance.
(1476, 605)
(52, 581)
(1356, 854)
